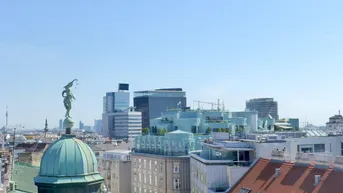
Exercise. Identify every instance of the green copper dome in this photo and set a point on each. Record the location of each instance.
(68, 160)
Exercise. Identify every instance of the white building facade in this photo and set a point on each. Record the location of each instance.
(219, 165)
(125, 124)
(332, 145)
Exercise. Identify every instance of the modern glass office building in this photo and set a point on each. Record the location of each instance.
(154, 102)
(116, 101)
(264, 107)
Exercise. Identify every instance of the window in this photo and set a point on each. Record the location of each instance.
(194, 129)
(161, 167)
(161, 181)
(306, 148)
(176, 167)
(134, 162)
(319, 147)
(134, 189)
(140, 177)
(156, 167)
(156, 181)
(244, 190)
(134, 176)
(139, 163)
(149, 164)
(144, 166)
(144, 177)
(150, 180)
(176, 183)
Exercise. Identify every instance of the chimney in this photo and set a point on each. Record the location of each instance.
(317, 179)
(277, 172)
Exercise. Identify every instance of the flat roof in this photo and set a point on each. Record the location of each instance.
(118, 151)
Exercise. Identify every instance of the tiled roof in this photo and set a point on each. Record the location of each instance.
(293, 178)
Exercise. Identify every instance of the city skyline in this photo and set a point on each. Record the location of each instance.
(234, 51)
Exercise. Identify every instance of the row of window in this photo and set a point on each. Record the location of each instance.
(176, 165)
(311, 148)
(176, 184)
(145, 179)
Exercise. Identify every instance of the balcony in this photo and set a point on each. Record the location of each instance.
(322, 158)
(229, 161)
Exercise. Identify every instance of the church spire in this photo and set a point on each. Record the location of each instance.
(46, 127)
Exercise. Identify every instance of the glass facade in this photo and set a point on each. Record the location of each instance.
(264, 107)
(153, 103)
(116, 101)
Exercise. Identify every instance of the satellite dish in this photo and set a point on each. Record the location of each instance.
(8, 136)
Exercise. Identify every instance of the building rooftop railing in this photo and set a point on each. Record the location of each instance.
(310, 158)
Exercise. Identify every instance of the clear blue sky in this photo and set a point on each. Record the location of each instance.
(233, 50)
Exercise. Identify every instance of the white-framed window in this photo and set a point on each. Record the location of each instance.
(176, 183)
(134, 189)
(149, 164)
(144, 166)
(139, 177)
(139, 163)
(176, 167)
(150, 179)
(156, 167)
(144, 177)
(156, 182)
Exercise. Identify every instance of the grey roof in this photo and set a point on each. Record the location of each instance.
(108, 147)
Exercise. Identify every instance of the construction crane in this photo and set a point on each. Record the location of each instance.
(210, 103)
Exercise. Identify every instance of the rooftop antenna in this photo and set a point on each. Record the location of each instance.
(4, 131)
(218, 105)
(339, 112)
(223, 106)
